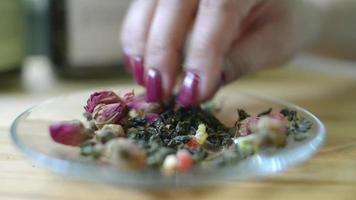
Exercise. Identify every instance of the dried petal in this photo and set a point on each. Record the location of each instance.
(128, 96)
(109, 114)
(141, 106)
(68, 133)
(247, 125)
(193, 143)
(201, 135)
(278, 116)
(151, 117)
(275, 129)
(103, 97)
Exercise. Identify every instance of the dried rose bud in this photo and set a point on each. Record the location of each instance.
(125, 153)
(68, 133)
(104, 136)
(151, 117)
(247, 125)
(275, 129)
(141, 106)
(128, 96)
(184, 160)
(109, 114)
(278, 116)
(103, 97)
(108, 132)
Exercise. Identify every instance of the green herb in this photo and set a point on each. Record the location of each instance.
(298, 126)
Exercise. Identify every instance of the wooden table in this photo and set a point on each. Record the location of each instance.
(330, 174)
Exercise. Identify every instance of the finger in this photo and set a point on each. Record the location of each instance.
(134, 36)
(216, 24)
(168, 30)
(260, 45)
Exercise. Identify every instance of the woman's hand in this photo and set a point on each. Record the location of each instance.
(225, 40)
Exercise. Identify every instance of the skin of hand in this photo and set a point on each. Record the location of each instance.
(221, 40)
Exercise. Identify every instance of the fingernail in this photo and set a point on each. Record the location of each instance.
(153, 86)
(188, 92)
(127, 61)
(138, 70)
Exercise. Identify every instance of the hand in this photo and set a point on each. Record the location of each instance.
(227, 39)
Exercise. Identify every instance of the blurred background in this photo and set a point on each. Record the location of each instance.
(77, 37)
(50, 47)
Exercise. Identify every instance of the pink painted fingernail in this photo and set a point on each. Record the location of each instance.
(153, 86)
(188, 93)
(138, 70)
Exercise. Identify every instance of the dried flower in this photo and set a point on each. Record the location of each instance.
(246, 125)
(109, 114)
(201, 135)
(278, 116)
(125, 153)
(142, 107)
(169, 164)
(151, 117)
(128, 96)
(184, 160)
(68, 133)
(103, 97)
(117, 129)
(275, 129)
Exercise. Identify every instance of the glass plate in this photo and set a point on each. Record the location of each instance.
(30, 134)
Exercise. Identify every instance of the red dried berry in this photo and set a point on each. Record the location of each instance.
(193, 143)
(184, 160)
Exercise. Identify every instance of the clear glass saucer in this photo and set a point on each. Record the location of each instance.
(29, 133)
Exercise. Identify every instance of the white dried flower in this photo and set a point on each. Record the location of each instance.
(169, 164)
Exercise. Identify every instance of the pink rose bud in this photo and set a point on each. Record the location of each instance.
(278, 116)
(128, 96)
(68, 133)
(141, 106)
(151, 117)
(109, 114)
(247, 125)
(136, 103)
(103, 97)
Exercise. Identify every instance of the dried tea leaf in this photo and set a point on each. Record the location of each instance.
(242, 114)
(266, 112)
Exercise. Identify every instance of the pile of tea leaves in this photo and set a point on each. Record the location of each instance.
(129, 132)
